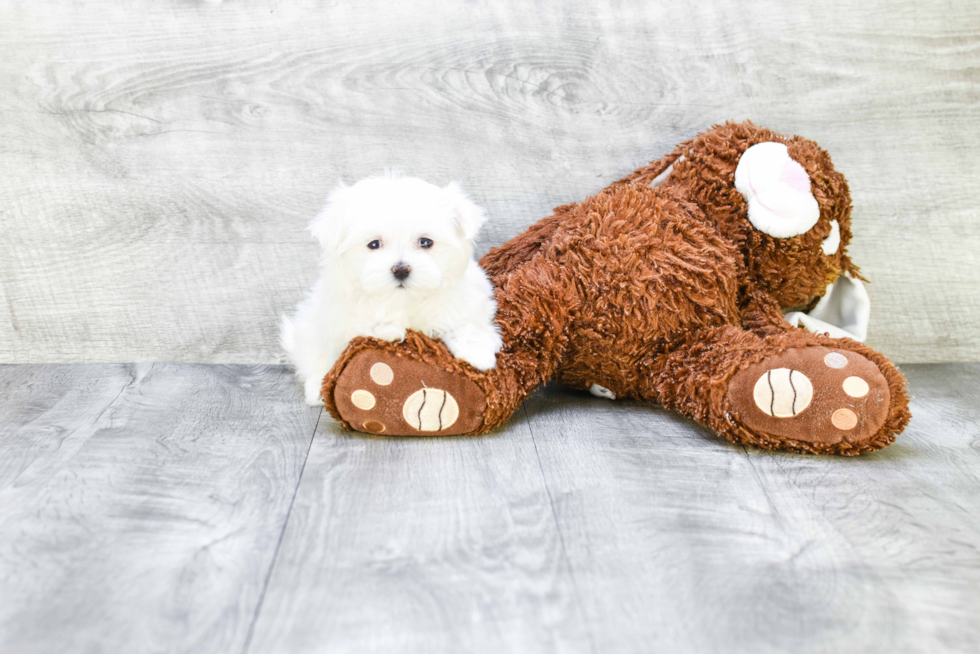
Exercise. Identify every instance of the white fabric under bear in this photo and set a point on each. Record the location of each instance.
(777, 190)
(843, 311)
(831, 244)
(602, 391)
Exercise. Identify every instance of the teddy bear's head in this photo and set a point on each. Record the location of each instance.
(779, 199)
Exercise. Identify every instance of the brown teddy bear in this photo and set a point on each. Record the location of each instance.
(670, 286)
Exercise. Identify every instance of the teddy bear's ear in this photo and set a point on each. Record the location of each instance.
(330, 225)
(777, 190)
(468, 216)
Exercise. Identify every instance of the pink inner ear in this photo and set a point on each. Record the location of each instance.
(793, 175)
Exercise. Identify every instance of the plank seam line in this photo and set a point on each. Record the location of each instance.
(132, 382)
(282, 534)
(561, 536)
(777, 514)
(95, 425)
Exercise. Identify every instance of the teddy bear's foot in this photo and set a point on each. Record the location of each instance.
(825, 399)
(382, 393)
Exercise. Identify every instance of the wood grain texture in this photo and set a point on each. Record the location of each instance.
(144, 508)
(159, 160)
(434, 545)
(682, 542)
(141, 506)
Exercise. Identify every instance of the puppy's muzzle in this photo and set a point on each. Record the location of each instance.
(401, 271)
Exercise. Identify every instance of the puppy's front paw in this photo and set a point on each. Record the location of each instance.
(388, 331)
(477, 347)
(311, 391)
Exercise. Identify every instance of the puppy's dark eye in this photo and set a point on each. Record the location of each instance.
(425, 243)
(374, 245)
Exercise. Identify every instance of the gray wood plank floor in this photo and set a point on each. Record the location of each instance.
(191, 508)
(141, 506)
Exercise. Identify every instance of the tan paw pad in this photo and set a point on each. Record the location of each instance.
(374, 427)
(783, 393)
(855, 387)
(835, 360)
(362, 400)
(430, 409)
(844, 419)
(382, 374)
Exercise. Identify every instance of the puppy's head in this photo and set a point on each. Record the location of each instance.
(398, 234)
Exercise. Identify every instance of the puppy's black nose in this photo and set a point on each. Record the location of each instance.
(401, 271)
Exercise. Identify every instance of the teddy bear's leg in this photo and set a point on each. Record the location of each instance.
(416, 387)
(790, 391)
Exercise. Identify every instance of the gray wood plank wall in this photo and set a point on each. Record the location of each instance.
(159, 160)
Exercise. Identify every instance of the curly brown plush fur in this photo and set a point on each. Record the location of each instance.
(664, 294)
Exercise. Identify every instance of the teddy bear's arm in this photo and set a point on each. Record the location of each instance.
(761, 313)
(503, 259)
(417, 386)
(650, 173)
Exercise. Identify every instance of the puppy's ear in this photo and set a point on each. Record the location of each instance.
(467, 216)
(331, 225)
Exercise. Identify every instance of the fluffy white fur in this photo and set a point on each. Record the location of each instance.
(446, 295)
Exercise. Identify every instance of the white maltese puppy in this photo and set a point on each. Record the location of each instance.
(397, 255)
